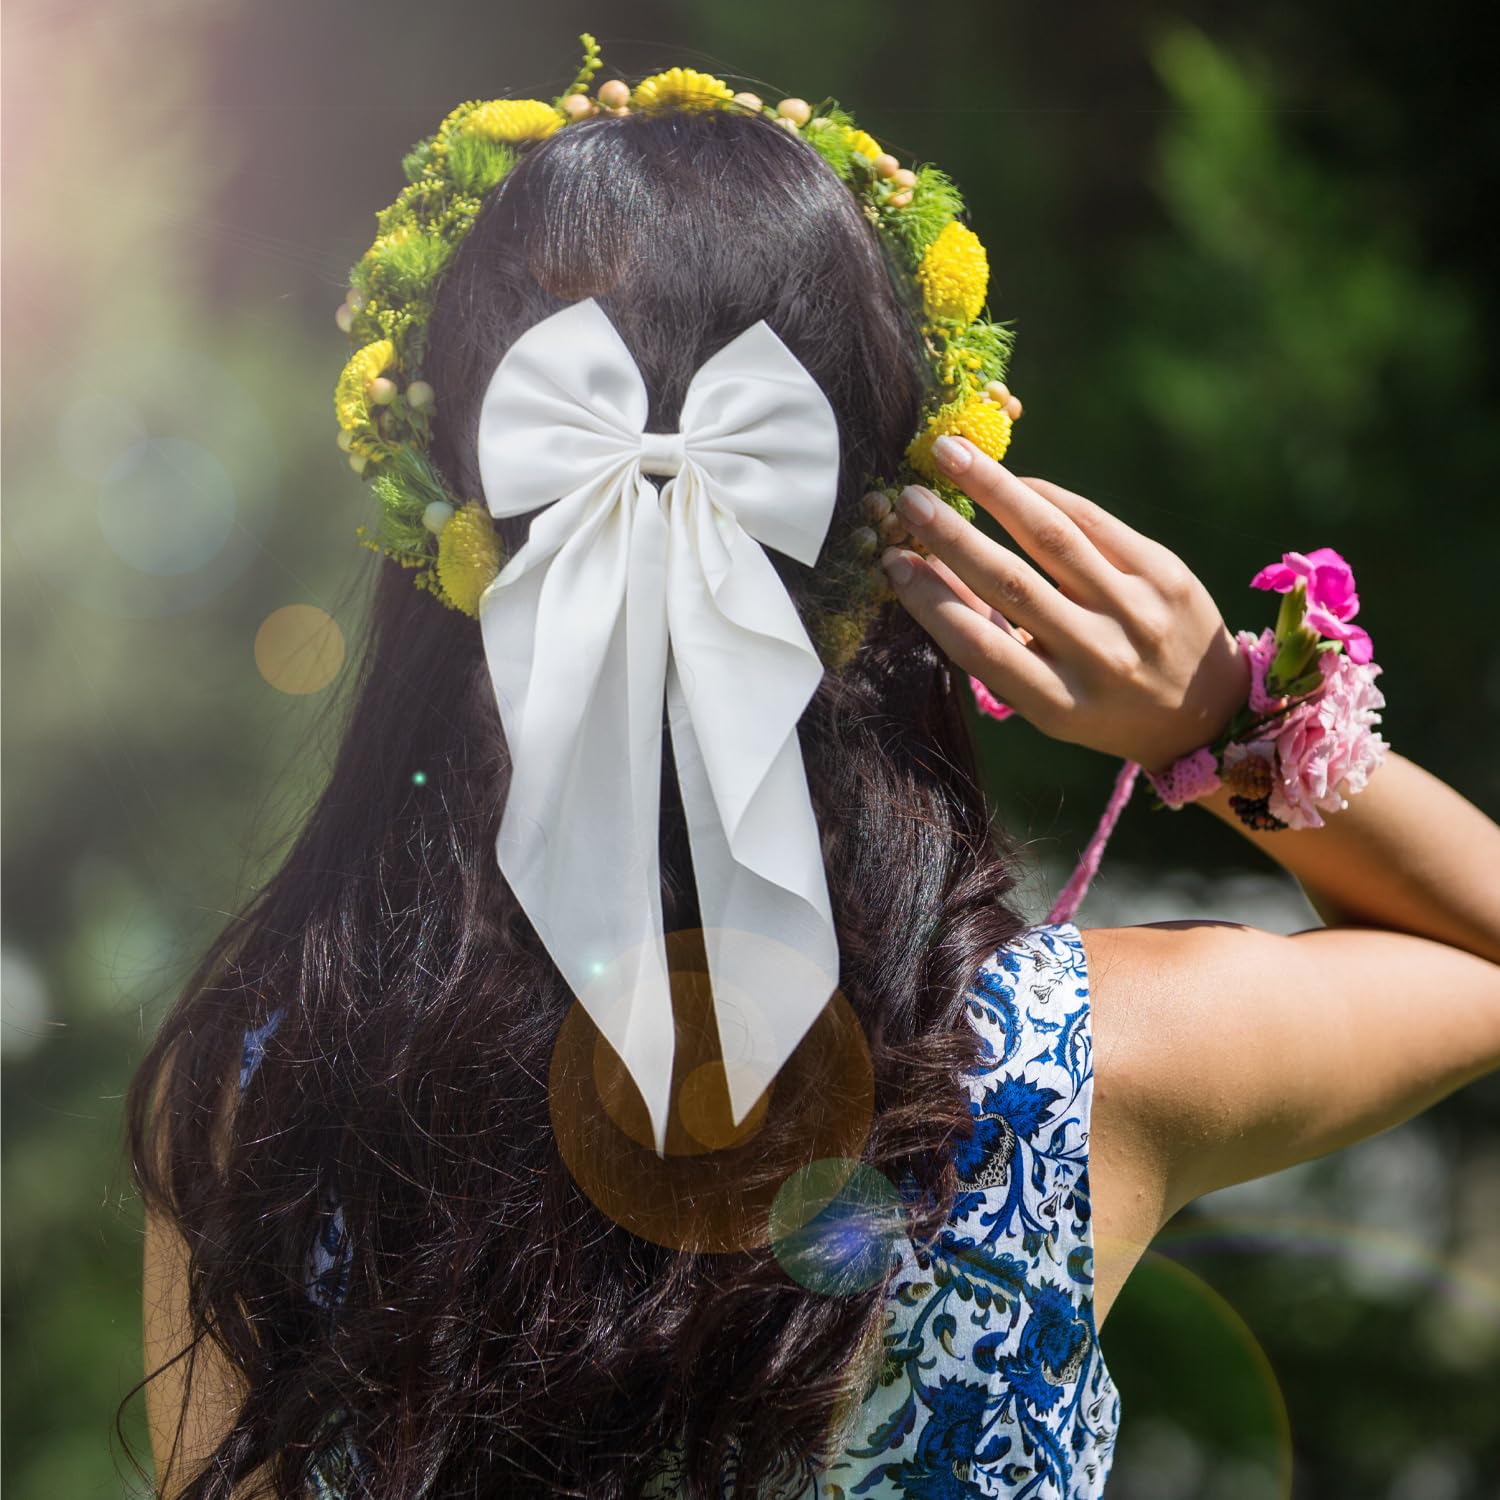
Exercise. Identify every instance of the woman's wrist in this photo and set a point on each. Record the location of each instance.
(1230, 693)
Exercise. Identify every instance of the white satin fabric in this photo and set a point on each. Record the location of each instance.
(620, 596)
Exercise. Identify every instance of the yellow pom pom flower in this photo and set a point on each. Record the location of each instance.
(985, 424)
(351, 402)
(683, 86)
(511, 120)
(954, 275)
(862, 141)
(468, 556)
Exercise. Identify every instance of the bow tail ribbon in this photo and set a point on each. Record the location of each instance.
(702, 583)
(742, 671)
(767, 990)
(581, 709)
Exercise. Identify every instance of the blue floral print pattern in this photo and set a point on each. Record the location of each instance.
(993, 1382)
(325, 1275)
(325, 1272)
(255, 1045)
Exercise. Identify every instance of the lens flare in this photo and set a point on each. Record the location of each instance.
(167, 506)
(96, 430)
(159, 488)
(702, 1106)
(1461, 1301)
(836, 1225)
(1174, 1338)
(299, 648)
(714, 1190)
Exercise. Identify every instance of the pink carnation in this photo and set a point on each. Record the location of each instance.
(1330, 580)
(1327, 747)
(1261, 649)
(1331, 598)
(1356, 640)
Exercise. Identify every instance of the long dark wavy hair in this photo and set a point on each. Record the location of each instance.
(499, 1334)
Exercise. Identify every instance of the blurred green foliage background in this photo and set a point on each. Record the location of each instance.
(1255, 300)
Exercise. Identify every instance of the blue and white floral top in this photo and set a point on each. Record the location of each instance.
(994, 1382)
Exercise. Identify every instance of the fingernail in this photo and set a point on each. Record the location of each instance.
(897, 565)
(951, 454)
(916, 504)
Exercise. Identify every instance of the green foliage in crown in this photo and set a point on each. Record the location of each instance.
(384, 408)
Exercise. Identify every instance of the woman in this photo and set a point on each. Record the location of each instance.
(361, 1221)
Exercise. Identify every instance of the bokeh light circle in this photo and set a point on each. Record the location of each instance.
(1471, 1291)
(701, 1108)
(161, 485)
(714, 1189)
(299, 648)
(167, 506)
(836, 1225)
(96, 430)
(1177, 1341)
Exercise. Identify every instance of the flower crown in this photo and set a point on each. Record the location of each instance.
(384, 407)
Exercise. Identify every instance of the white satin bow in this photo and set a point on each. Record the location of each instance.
(618, 595)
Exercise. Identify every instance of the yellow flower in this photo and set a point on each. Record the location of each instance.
(393, 239)
(985, 424)
(453, 120)
(468, 556)
(862, 141)
(350, 401)
(954, 275)
(684, 86)
(397, 236)
(512, 120)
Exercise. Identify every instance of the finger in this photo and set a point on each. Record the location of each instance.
(964, 592)
(1125, 547)
(1011, 671)
(999, 577)
(1049, 535)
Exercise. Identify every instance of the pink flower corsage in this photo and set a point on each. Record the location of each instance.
(1311, 757)
(1305, 742)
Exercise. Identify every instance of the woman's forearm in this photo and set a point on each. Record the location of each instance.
(1408, 853)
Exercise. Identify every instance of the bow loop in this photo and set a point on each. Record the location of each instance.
(621, 603)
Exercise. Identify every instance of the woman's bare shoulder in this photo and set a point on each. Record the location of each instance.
(1225, 1052)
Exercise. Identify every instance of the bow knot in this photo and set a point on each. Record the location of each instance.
(619, 602)
(661, 452)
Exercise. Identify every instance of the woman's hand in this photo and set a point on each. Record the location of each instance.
(1125, 651)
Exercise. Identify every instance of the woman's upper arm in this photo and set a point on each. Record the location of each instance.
(192, 1390)
(1227, 1053)
(190, 1404)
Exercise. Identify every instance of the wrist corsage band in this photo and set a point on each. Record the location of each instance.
(1303, 743)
